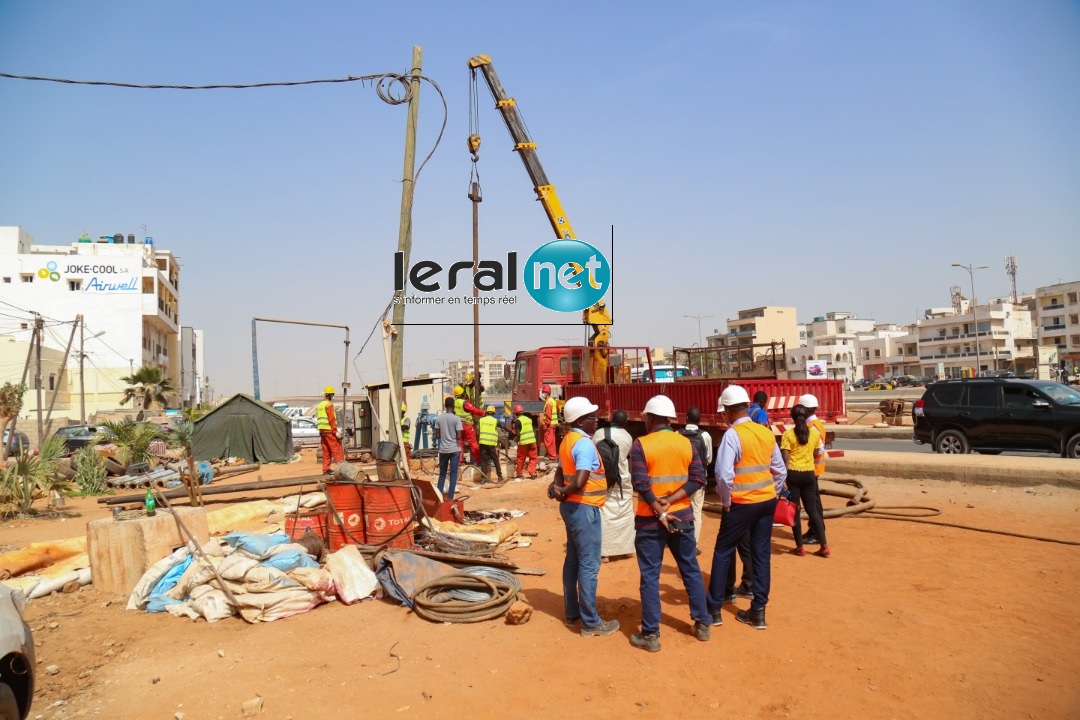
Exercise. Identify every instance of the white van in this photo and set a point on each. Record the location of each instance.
(664, 373)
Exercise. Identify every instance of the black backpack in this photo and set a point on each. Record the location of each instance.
(699, 442)
(608, 450)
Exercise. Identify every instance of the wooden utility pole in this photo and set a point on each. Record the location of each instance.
(60, 378)
(474, 195)
(397, 340)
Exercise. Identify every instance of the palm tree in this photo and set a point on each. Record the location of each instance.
(32, 474)
(132, 440)
(148, 385)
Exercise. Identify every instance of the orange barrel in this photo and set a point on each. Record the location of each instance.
(388, 515)
(295, 525)
(346, 519)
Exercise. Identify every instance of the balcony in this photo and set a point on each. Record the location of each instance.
(1048, 328)
(1055, 306)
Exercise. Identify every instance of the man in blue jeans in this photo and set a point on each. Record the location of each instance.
(447, 434)
(666, 471)
(750, 472)
(580, 486)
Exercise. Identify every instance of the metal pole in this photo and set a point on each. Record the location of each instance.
(60, 376)
(975, 320)
(39, 325)
(345, 392)
(255, 358)
(82, 373)
(397, 340)
(474, 195)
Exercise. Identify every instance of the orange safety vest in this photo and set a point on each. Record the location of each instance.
(753, 480)
(595, 491)
(667, 456)
(819, 463)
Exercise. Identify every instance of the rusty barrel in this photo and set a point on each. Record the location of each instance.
(296, 525)
(388, 514)
(346, 514)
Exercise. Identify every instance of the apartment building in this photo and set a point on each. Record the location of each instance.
(493, 372)
(1058, 320)
(755, 326)
(984, 338)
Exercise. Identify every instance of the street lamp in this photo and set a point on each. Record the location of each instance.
(82, 371)
(974, 317)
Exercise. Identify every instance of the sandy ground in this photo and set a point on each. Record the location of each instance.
(903, 621)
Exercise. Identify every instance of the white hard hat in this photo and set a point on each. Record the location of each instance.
(808, 401)
(732, 395)
(662, 406)
(577, 408)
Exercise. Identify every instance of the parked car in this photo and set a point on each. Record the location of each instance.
(861, 384)
(989, 415)
(880, 385)
(79, 436)
(17, 650)
(906, 381)
(305, 432)
(925, 380)
(16, 443)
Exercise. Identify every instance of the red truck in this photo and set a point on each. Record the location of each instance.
(568, 371)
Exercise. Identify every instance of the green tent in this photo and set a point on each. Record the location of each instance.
(246, 428)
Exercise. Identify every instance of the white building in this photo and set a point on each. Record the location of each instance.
(1058, 322)
(127, 294)
(191, 377)
(950, 342)
(830, 339)
(492, 372)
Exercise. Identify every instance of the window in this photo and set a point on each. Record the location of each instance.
(877, 353)
(27, 277)
(949, 394)
(1072, 298)
(982, 395)
(1074, 319)
(52, 381)
(7, 279)
(74, 285)
(520, 373)
(1019, 398)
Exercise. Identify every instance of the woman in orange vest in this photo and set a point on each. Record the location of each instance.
(666, 470)
(580, 486)
(750, 473)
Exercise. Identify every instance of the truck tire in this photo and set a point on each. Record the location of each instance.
(1072, 448)
(952, 442)
(9, 706)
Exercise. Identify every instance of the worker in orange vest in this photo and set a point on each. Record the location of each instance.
(666, 470)
(549, 420)
(329, 433)
(750, 473)
(580, 486)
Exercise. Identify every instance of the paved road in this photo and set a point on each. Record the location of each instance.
(903, 445)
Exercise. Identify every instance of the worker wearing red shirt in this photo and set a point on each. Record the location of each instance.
(328, 431)
(468, 414)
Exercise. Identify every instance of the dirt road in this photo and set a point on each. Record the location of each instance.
(904, 620)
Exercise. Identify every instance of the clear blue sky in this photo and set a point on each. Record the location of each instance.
(828, 155)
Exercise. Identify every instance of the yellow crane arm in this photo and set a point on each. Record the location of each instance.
(524, 146)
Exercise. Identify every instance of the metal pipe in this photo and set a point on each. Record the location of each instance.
(220, 490)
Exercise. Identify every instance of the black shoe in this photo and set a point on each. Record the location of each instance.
(328, 472)
(701, 631)
(810, 540)
(754, 618)
(717, 619)
(646, 642)
(605, 627)
(730, 599)
(744, 591)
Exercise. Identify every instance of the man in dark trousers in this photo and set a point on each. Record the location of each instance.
(750, 473)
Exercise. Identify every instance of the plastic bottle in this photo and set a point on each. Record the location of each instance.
(150, 503)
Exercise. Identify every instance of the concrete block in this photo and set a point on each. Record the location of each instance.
(122, 550)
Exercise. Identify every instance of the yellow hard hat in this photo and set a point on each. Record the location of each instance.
(328, 390)
(468, 378)
(458, 390)
(491, 409)
(403, 408)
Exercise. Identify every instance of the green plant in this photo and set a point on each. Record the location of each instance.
(132, 440)
(33, 475)
(194, 413)
(148, 385)
(90, 471)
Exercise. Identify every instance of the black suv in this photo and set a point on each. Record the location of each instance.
(79, 436)
(989, 415)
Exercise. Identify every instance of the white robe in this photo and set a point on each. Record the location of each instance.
(617, 514)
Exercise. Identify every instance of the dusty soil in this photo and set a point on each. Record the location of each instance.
(904, 620)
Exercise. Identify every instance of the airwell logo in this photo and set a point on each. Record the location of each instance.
(567, 275)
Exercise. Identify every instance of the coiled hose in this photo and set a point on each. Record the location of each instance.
(432, 603)
(484, 571)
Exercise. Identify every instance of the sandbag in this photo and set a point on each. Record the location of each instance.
(353, 579)
(141, 592)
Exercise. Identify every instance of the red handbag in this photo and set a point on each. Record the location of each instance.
(785, 512)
